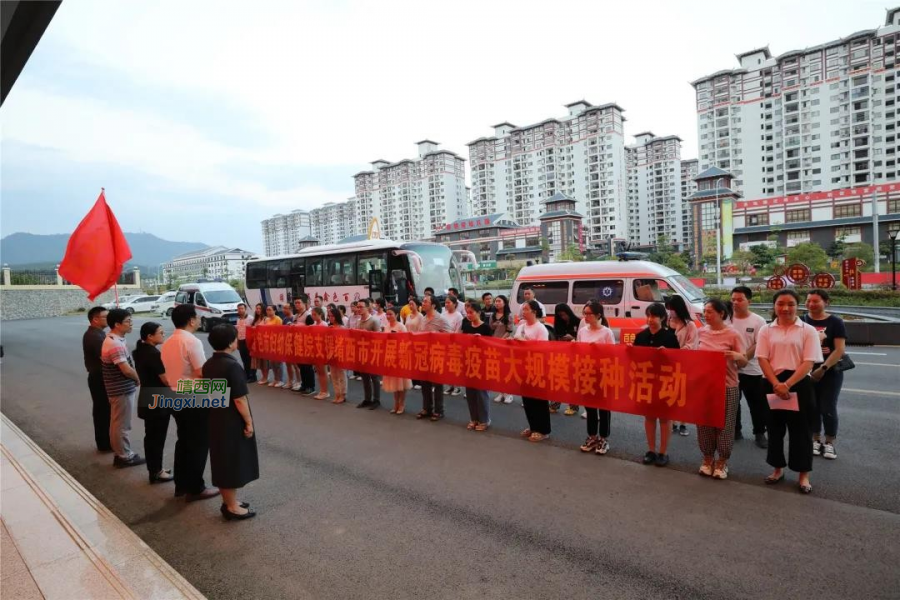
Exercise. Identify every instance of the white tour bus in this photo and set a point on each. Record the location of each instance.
(342, 273)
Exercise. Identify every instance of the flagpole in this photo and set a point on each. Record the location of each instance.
(116, 286)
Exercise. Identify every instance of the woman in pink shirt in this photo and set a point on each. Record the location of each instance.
(717, 336)
(688, 335)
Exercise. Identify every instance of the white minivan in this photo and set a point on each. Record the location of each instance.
(215, 302)
(164, 305)
(625, 289)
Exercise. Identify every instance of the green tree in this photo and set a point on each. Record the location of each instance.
(743, 260)
(763, 255)
(811, 255)
(836, 249)
(861, 251)
(573, 253)
(676, 263)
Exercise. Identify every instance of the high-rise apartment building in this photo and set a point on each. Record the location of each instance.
(689, 171)
(281, 233)
(654, 189)
(809, 136)
(412, 198)
(334, 221)
(808, 120)
(581, 155)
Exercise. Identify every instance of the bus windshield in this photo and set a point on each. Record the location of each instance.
(438, 272)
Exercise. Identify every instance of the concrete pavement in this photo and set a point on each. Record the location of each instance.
(364, 504)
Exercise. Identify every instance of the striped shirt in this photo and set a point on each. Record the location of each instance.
(114, 353)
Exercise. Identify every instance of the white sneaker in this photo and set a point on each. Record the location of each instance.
(817, 448)
(602, 447)
(583, 414)
(498, 398)
(279, 385)
(271, 384)
(721, 472)
(417, 387)
(296, 387)
(507, 399)
(828, 451)
(262, 382)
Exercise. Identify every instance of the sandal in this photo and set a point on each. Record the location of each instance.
(482, 426)
(805, 488)
(772, 480)
(538, 437)
(471, 426)
(526, 433)
(423, 414)
(437, 416)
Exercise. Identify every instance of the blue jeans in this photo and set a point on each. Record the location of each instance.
(827, 391)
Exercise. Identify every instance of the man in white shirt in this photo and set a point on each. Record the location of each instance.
(183, 358)
(748, 324)
(528, 294)
(432, 393)
(303, 317)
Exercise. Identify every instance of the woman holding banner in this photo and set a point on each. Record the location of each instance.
(688, 337)
(318, 317)
(397, 385)
(787, 349)
(537, 411)
(598, 420)
(338, 375)
(501, 323)
(478, 400)
(565, 327)
(717, 336)
(656, 335)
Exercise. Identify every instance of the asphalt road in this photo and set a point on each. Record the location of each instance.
(360, 504)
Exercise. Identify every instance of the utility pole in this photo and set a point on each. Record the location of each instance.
(875, 231)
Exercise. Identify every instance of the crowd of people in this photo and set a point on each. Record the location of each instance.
(789, 372)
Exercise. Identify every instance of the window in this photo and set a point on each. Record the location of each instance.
(340, 270)
(256, 275)
(754, 220)
(313, 271)
(847, 210)
(278, 273)
(894, 205)
(797, 237)
(605, 291)
(848, 234)
(371, 262)
(548, 293)
(798, 215)
(649, 290)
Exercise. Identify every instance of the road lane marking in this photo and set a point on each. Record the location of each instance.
(875, 392)
(869, 353)
(877, 364)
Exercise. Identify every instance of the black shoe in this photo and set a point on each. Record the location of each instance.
(649, 458)
(738, 435)
(134, 461)
(683, 431)
(164, 476)
(761, 440)
(230, 516)
(375, 405)
(364, 404)
(662, 460)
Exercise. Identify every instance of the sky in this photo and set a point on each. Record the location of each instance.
(203, 118)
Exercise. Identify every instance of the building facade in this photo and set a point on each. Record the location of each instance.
(282, 232)
(808, 120)
(581, 155)
(217, 262)
(412, 198)
(654, 190)
(334, 221)
(689, 172)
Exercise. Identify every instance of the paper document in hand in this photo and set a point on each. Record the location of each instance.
(777, 403)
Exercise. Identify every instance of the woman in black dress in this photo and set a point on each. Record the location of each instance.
(152, 373)
(232, 446)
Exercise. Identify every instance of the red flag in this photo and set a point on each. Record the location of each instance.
(96, 251)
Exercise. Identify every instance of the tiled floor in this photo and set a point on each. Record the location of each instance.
(60, 542)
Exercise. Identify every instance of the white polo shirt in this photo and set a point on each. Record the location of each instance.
(787, 347)
(749, 328)
(182, 353)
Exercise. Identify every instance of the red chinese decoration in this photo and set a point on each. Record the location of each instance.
(850, 273)
(775, 283)
(823, 280)
(664, 384)
(798, 273)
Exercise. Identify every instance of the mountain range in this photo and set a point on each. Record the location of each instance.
(38, 251)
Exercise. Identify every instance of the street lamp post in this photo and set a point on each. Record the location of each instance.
(718, 234)
(893, 235)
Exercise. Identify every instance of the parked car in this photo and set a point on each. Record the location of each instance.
(122, 300)
(136, 304)
(215, 302)
(163, 307)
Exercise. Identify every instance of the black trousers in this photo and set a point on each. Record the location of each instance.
(100, 411)
(245, 359)
(191, 449)
(754, 391)
(432, 398)
(796, 424)
(155, 429)
(538, 414)
(598, 421)
(307, 377)
(371, 388)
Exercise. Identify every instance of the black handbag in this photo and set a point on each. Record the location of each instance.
(845, 364)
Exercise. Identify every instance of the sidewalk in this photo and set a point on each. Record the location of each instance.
(58, 541)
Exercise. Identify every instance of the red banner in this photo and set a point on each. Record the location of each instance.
(850, 273)
(681, 385)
